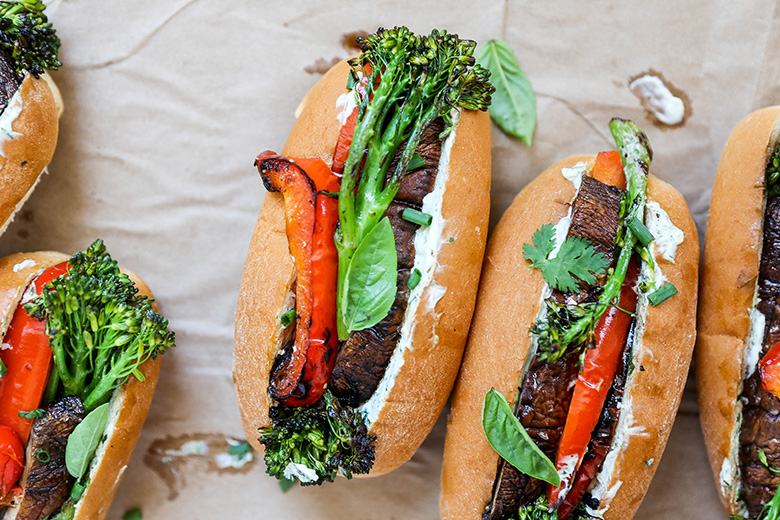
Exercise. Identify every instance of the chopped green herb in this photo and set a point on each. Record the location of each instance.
(3, 368)
(77, 491)
(643, 235)
(32, 414)
(133, 514)
(417, 217)
(451, 240)
(416, 162)
(287, 318)
(24, 163)
(649, 462)
(576, 259)
(286, 484)
(414, 278)
(537, 510)
(43, 456)
(242, 448)
(664, 293)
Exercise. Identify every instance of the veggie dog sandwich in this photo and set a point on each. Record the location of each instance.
(79, 363)
(578, 355)
(361, 277)
(737, 353)
(29, 101)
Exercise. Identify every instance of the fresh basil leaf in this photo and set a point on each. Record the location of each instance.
(84, 440)
(514, 104)
(510, 440)
(371, 279)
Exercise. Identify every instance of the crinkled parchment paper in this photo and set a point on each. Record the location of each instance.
(169, 102)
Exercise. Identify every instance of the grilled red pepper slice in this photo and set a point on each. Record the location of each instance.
(11, 462)
(324, 343)
(282, 175)
(593, 384)
(28, 360)
(769, 369)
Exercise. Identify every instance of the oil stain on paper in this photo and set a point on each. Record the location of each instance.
(348, 41)
(172, 458)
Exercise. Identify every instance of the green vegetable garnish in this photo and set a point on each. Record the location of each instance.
(100, 329)
(285, 485)
(3, 368)
(414, 278)
(409, 81)
(514, 103)
(240, 449)
(510, 440)
(27, 36)
(84, 440)
(643, 235)
(773, 174)
(417, 217)
(326, 438)
(661, 295)
(133, 514)
(538, 510)
(287, 318)
(43, 456)
(577, 259)
(32, 414)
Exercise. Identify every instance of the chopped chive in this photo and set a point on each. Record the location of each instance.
(77, 491)
(287, 318)
(415, 162)
(662, 294)
(350, 82)
(32, 414)
(640, 230)
(417, 217)
(414, 278)
(43, 456)
(3, 368)
(133, 514)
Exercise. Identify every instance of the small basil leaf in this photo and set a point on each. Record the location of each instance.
(510, 440)
(514, 104)
(133, 514)
(84, 440)
(371, 279)
(286, 484)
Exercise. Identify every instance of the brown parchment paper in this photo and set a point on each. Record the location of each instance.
(169, 102)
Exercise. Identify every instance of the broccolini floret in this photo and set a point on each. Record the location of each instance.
(100, 329)
(326, 438)
(27, 36)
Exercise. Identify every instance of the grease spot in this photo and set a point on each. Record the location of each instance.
(349, 40)
(172, 458)
(321, 66)
(668, 105)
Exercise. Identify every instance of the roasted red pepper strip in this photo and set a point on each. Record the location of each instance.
(281, 174)
(769, 368)
(321, 355)
(344, 140)
(608, 168)
(28, 361)
(593, 384)
(11, 462)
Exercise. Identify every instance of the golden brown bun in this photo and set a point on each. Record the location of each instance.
(507, 305)
(129, 404)
(728, 280)
(23, 158)
(423, 385)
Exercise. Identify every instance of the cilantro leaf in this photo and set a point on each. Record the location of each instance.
(576, 259)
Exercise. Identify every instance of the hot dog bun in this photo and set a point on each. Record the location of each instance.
(23, 158)
(129, 404)
(423, 385)
(732, 254)
(507, 306)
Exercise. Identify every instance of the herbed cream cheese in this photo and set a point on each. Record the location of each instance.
(8, 117)
(427, 243)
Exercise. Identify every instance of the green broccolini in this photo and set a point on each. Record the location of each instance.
(100, 329)
(538, 510)
(407, 82)
(27, 36)
(773, 174)
(326, 438)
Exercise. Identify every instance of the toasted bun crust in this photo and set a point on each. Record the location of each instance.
(423, 385)
(507, 305)
(23, 158)
(129, 404)
(728, 282)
